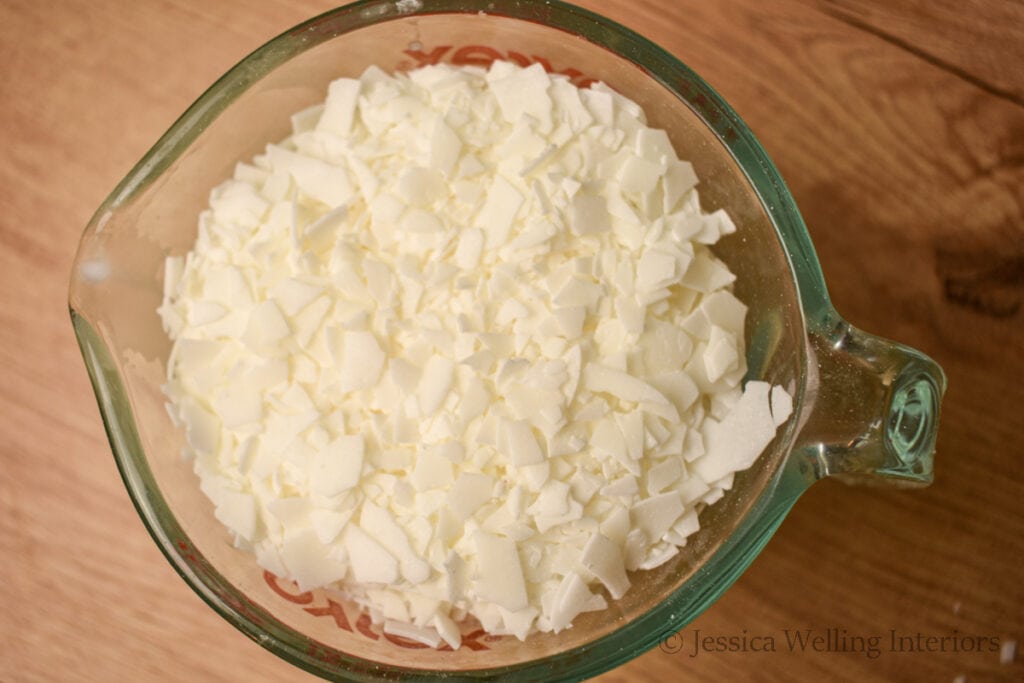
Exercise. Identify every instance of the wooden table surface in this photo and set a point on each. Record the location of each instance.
(899, 126)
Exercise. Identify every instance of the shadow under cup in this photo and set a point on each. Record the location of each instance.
(117, 288)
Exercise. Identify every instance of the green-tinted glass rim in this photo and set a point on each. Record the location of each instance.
(735, 553)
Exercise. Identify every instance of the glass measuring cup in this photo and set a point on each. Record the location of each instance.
(864, 407)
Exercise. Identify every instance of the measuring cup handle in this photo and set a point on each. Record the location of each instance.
(874, 408)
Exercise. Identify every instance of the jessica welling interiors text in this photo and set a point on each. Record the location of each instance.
(832, 640)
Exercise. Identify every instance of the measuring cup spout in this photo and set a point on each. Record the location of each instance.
(874, 408)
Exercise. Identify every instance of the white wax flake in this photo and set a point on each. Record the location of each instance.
(653, 145)
(237, 511)
(715, 226)
(459, 347)
(228, 285)
(361, 362)
(552, 501)
(589, 215)
(662, 475)
(577, 293)
(520, 444)
(500, 578)
(498, 212)
(638, 176)
(707, 274)
(607, 439)
(390, 605)
(432, 471)
(445, 147)
(721, 354)
(340, 108)
(621, 384)
(600, 105)
(655, 515)
(337, 467)
(370, 562)
(205, 312)
(655, 269)
(381, 525)
(238, 406)
(266, 326)
(174, 267)
(447, 629)
(327, 524)
(435, 382)
(677, 181)
(570, 321)
(292, 295)
(572, 598)
(734, 443)
(426, 636)
(616, 525)
(203, 428)
(470, 491)
(308, 562)
(522, 92)
(723, 309)
(603, 558)
(420, 187)
(782, 405)
(471, 244)
(324, 182)
(658, 556)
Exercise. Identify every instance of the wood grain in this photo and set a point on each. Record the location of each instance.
(978, 41)
(900, 131)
